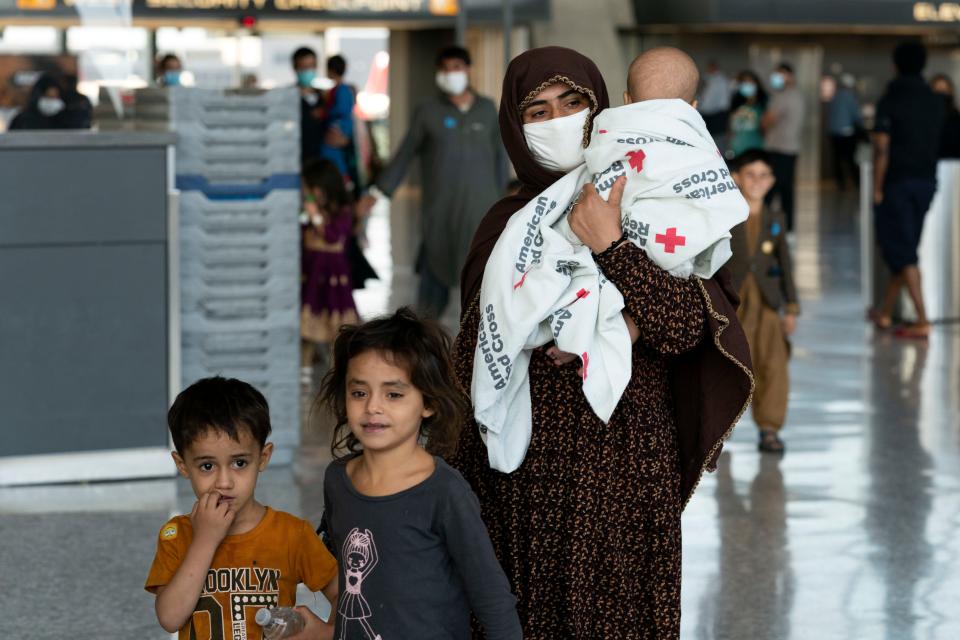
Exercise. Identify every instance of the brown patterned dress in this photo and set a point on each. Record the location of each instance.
(588, 528)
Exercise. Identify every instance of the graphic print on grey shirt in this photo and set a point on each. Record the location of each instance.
(413, 565)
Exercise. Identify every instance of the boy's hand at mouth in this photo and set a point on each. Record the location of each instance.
(212, 517)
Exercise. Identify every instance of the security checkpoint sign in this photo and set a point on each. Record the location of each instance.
(36, 5)
(441, 12)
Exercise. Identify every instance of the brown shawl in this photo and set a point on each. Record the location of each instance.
(713, 383)
(528, 74)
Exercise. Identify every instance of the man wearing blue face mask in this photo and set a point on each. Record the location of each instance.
(782, 125)
(456, 135)
(312, 123)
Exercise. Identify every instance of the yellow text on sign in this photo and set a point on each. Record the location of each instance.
(930, 12)
(36, 5)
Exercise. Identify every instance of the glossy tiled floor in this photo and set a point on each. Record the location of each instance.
(852, 535)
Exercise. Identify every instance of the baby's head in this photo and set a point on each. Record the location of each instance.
(662, 73)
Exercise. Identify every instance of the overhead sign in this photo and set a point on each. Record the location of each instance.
(933, 12)
(800, 12)
(36, 5)
(361, 10)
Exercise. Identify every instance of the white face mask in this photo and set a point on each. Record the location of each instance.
(557, 144)
(452, 82)
(50, 106)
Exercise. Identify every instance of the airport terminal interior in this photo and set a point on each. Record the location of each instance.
(851, 533)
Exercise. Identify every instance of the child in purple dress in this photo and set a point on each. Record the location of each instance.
(326, 289)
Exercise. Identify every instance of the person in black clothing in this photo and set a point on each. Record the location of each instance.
(950, 138)
(78, 112)
(906, 142)
(312, 122)
(44, 108)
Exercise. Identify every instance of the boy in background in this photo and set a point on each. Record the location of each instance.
(761, 268)
(215, 568)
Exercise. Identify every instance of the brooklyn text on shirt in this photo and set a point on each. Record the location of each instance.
(490, 343)
(243, 579)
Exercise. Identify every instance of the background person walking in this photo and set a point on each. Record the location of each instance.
(782, 124)
(747, 106)
(456, 136)
(906, 143)
(715, 103)
(845, 124)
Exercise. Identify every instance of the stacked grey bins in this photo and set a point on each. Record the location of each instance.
(237, 170)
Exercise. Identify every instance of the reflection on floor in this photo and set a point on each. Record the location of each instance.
(853, 534)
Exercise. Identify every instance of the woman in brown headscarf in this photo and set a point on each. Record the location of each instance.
(588, 528)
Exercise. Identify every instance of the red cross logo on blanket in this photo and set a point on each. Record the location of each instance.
(520, 284)
(636, 159)
(671, 241)
(583, 293)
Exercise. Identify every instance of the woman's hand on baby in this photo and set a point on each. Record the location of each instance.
(597, 221)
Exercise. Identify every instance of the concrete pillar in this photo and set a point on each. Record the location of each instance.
(486, 48)
(592, 28)
(412, 55)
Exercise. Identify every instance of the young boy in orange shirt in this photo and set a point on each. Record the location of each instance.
(232, 556)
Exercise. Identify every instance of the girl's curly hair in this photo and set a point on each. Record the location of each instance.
(419, 346)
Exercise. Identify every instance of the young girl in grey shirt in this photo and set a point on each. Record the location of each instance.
(414, 556)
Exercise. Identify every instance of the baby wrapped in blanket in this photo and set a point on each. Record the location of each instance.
(541, 283)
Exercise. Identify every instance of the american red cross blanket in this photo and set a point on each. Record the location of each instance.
(542, 285)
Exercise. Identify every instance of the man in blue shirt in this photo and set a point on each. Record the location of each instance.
(337, 122)
(844, 124)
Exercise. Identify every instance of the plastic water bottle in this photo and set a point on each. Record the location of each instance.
(279, 622)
